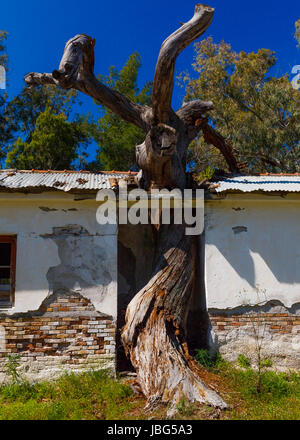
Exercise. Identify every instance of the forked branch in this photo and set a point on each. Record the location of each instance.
(76, 70)
(170, 49)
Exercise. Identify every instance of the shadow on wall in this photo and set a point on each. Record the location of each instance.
(261, 237)
(135, 264)
(85, 263)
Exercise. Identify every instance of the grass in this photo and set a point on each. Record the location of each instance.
(91, 396)
(278, 398)
(97, 396)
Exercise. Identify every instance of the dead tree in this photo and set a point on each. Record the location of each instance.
(154, 335)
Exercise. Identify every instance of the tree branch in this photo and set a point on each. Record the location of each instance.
(211, 136)
(193, 110)
(76, 70)
(37, 79)
(170, 49)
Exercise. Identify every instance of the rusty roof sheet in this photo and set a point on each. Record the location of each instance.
(263, 182)
(59, 180)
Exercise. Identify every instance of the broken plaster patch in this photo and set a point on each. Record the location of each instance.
(88, 263)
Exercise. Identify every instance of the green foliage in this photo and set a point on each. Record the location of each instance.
(25, 108)
(5, 127)
(206, 174)
(274, 385)
(206, 359)
(97, 396)
(116, 138)
(266, 363)
(257, 113)
(54, 144)
(11, 368)
(243, 361)
(38, 127)
(186, 409)
(3, 54)
(92, 395)
(297, 30)
(279, 398)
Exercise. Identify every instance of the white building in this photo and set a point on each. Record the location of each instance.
(252, 257)
(65, 280)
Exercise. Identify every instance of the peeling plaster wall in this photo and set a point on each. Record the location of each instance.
(60, 246)
(65, 311)
(252, 251)
(252, 256)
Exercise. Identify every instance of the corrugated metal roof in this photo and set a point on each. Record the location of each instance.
(60, 180)
(264, 182)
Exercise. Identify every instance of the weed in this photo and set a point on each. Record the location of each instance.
(206, 359)
(11, 368)
(186, 409)
(266, 363)
(243, 361)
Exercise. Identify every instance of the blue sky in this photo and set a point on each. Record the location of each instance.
(38, 31)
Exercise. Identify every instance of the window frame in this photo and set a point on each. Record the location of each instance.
(12, 239)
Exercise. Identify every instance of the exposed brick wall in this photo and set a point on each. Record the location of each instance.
(65, 334)
(233, 334)
(274, 322)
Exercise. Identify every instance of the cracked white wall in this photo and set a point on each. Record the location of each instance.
(252, 250)
(82, 257)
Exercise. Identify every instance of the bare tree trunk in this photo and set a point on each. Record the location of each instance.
(154, 334)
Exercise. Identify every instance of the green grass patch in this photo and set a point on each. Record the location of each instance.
(269, 395)
(97, 396)
(92, 395)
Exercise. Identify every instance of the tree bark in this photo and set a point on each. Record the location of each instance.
(154, 333)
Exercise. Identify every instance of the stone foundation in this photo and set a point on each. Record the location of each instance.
(65, 334)
(234, 334)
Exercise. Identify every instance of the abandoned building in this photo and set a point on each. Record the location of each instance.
(65, 280)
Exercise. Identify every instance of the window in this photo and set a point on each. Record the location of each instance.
(7, 270)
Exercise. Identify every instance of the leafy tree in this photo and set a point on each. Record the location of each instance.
(3, 54)
(258, 114)
(25, 108)
(47, 135)
(39, 129)
(297, 32)
(5, 128)
(116, 138)
(54, 144)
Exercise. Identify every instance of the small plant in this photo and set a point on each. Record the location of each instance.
(203, 357)
(185, 409)
(205, 174)
(11, 368)
(259, 328)
(206, 359)
(243, 361)
(266, 363)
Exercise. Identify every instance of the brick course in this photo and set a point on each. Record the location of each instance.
(279, 334)
(274, 322)
(65, 331)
